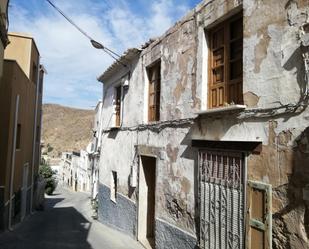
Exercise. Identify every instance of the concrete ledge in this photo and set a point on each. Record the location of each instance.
(169, 236)
(120, 215)
(222, 110)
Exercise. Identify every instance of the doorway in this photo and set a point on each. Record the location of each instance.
(146, 208)
(222, 199)
(24, 191)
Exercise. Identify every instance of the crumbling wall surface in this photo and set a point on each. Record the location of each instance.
(133, 96)
(120, 215)
(273, 68)
(274, 77)
(284, 162)
(175, 184)
(117, 154)
(274, 83)
(176, 50)
(175, 179)
(168, 236)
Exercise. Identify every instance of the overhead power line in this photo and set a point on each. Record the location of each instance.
(94, 43)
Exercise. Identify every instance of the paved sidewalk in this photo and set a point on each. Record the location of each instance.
(65, 223)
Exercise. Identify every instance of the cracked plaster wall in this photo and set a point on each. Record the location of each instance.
(175, 200)
(273, 74)
(175, 186)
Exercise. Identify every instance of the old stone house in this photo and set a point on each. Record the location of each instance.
(94, 151)
(205, 136)
(76, 170)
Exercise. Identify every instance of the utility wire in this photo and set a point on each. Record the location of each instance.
(96, 44)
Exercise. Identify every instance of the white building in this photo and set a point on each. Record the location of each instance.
(83, 171)
(94, 150)
(205, 131)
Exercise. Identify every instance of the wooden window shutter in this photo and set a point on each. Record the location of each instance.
(259, 226)
(225, 68)
(217, 68)
(154, 92)
(117, 105)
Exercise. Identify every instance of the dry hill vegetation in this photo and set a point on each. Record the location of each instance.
(65, 129)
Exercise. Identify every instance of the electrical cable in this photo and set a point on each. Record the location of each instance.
(96, 44)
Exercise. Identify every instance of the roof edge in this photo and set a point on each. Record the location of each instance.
(126, 57)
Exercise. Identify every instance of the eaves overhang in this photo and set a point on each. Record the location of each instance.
(126, 58)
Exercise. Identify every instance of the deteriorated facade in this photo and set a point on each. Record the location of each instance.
(205, 136)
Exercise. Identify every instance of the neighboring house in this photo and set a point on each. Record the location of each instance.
(75, 170)
(80, 170)
(20, 107)
(205, 131)
(70, 165)
(4, 41)
(94, 151)
(4, 23)
(84, 172)
(66, 169)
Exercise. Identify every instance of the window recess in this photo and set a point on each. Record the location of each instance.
(154, 78)
(225, 63)
(117, 104)
(113, 186)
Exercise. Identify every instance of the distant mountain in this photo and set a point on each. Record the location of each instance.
(65, 129)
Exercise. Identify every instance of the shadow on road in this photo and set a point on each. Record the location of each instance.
(52, 202)
(55, 228)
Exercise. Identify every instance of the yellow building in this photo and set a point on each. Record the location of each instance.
(3, 30)
(20, 110)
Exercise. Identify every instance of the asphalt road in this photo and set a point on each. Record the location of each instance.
(65, 223)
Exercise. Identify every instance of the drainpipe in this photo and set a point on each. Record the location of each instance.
(34, 135)
(13, 161)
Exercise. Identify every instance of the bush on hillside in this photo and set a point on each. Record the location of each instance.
(47, 173)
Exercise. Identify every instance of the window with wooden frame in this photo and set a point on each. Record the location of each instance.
(225, 63)
(154, 77)
(117, 105)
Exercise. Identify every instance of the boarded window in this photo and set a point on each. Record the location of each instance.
(38, 135)
(113, 186)
(34, 73)
(260, 218)
(18, 135)
(154, 92)
(117, 105)
(41, 81)
(225, 63)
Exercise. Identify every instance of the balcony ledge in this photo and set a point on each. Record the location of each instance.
(222, 110)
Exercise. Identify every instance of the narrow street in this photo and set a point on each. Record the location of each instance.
(65, 223)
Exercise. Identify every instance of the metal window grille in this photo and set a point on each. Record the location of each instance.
(221, 177)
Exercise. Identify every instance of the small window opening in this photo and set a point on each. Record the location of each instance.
(18, 134)
(113, 186)
(154, 77)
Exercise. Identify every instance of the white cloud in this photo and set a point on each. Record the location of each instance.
(72, 63)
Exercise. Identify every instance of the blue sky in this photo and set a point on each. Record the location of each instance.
(71, 62)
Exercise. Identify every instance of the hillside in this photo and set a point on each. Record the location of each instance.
(65, 129)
